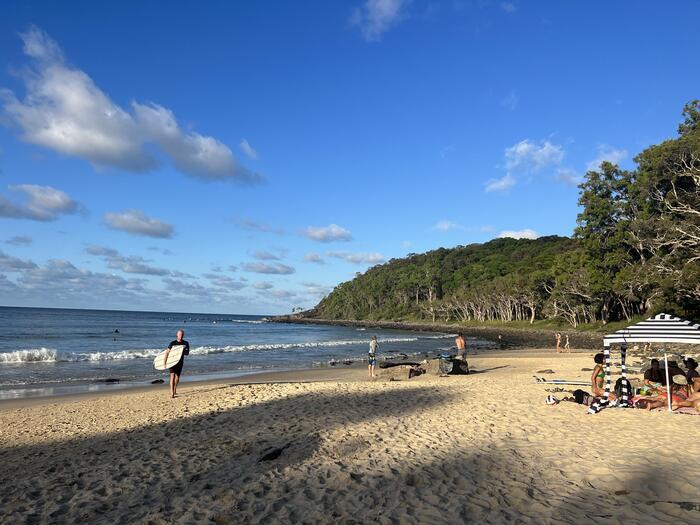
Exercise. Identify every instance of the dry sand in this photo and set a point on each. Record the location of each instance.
(478, 448)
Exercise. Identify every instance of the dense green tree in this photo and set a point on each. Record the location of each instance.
(636, 249)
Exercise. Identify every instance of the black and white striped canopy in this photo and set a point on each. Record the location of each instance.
(662, 328)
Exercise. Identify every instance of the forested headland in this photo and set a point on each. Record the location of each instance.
(635, 251)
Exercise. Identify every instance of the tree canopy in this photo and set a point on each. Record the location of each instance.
(636, 250)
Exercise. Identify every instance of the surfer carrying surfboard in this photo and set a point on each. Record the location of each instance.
(176, 371)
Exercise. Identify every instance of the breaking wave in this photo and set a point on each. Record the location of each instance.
(51, 355)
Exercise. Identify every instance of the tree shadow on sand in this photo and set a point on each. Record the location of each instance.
(158, 470)
(211, 468)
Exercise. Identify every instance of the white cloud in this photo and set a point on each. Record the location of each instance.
(568, 176)
(319, 291)
(502, 184)
(9, 263)
(519, 234)
(530, 156)
(194, 291)
(127, 264)
(445, 226)
(19, 240)
(314, 258)
(509, 7)
(606, 153)
(330, 233)
(61, 280)
(252, 225)
(42, 203)
(137, 223)
(248, 149)
(375, 17)
(510, 101)
(64, 284)
(283, 294)
(358, 257)
(445, 151)
(263, 255)
(223, 281)
(65, 111)
(263, 285)
(270, 269)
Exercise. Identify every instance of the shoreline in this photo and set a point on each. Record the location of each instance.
(186, 383)
(511, 337)
(271, 376)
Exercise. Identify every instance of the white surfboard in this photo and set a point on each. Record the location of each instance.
(173, 357)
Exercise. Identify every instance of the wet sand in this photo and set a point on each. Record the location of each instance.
(328, 446)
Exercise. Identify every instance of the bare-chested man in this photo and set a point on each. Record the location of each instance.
(461, 345)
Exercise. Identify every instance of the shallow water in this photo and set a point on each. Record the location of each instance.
(60, 349)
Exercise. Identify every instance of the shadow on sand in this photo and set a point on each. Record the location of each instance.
(209, 468)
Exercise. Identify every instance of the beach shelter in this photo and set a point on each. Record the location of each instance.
(662, 328)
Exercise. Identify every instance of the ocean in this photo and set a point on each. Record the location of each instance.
(45, 351)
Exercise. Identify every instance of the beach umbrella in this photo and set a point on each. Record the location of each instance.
(662, 328)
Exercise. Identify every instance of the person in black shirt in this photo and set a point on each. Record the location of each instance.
(176, 370)
(654, 377)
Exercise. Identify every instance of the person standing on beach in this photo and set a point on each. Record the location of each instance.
(372, 356)
(557, 336)
(567, 346)
(176, 371)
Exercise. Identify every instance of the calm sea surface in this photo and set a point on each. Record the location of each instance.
(50, 351)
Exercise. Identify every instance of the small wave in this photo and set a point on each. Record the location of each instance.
(50, 355)
(32, 355)
(206, 350)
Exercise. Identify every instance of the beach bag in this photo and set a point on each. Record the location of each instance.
(618, 388)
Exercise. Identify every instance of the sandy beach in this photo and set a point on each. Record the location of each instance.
(331, 446)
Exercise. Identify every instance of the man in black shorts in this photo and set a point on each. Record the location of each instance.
(176, 370)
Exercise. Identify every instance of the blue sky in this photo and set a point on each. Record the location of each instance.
(247, 157)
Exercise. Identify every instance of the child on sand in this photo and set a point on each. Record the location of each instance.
(567, 346)
(557, 336)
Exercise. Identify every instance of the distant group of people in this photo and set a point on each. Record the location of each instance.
(460, 344)
(684, 386)
(567, 344)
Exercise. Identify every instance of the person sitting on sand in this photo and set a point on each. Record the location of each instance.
(680, 395)
(557, 338)
(176, 371)
(654, 377)
(598, 377)
(461, 345)
(372, 356)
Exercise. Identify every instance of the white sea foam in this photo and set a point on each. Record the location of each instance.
(30, 355)
(50, 355)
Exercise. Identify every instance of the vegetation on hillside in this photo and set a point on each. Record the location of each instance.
(636, 250)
